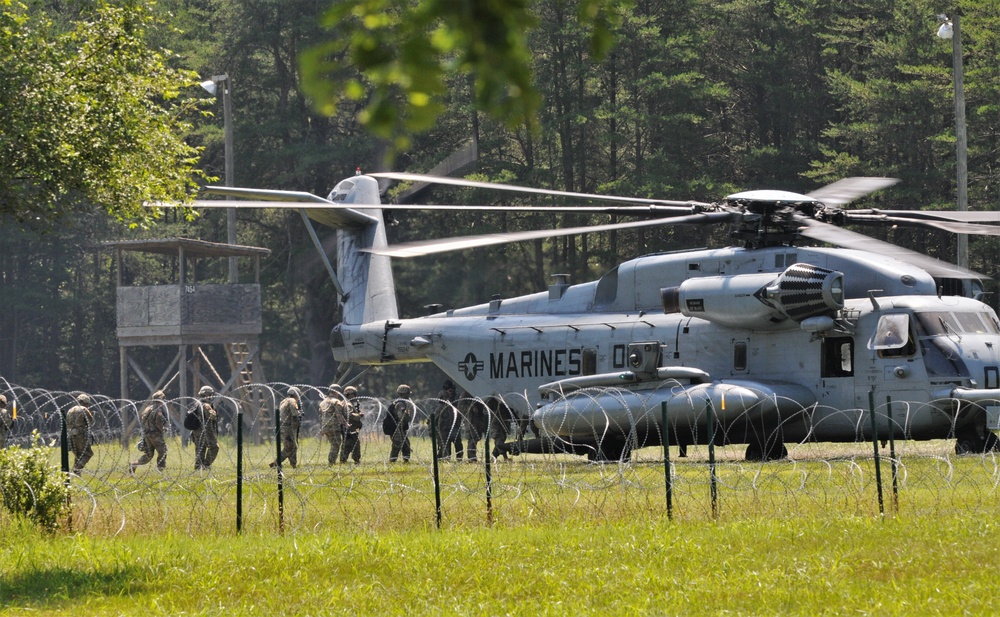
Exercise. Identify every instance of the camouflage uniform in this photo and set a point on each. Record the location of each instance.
(206, 436)
(401, 411)
(291, 420)
(78, 422)
(355, 421)
(475, 424)
(449, 423)
(153, 421)
(500, 417)
(6, 422)
(333, 412)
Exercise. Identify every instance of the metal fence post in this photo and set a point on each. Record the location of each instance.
(489, 474)
(667, 476)
(892, 456)
(713, 480)
(64, 462)
(277, 466)
(437, 478)
(878, 465)
(239, 469)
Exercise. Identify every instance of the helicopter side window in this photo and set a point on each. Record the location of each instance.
(892, 336)
(838, 357)
(740, 356)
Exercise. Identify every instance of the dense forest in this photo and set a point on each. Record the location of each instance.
(694, 100)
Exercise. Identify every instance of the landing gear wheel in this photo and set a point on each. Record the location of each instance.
(774, 450)
(969, 442)
(610, 452)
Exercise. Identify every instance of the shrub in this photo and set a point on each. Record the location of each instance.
(30, 486)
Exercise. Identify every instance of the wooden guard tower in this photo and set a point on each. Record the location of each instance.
(189, 315)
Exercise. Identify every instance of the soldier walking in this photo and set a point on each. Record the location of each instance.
(6, 422)
(153, 422)
(204, 424)
(290, 411)
(333, 411)
(355, 420)
(79, 420)
(397, 422)
(449, 422)
(500, 418)
(475, 424)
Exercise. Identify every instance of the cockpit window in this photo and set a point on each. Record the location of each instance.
(942, 323)
(893, 332)
(975, 323)
(937, 323)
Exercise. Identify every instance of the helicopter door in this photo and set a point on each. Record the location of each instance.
(899, 373)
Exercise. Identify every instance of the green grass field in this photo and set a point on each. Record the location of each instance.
(801, 537)
(828, 565)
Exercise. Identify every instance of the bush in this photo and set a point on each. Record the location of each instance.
(30, 486)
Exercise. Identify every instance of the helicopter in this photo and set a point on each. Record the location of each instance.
(763, 343)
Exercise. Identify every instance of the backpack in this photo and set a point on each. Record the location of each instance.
(389, 423)
(191, 420)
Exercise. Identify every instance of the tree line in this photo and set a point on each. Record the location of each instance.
(688, 100)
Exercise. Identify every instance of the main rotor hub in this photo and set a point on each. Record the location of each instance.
(768, 218)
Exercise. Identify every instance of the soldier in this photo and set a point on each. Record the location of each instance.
(204, 425)
(290, 411)
(475, 424)
(333, 411)
(79, 420)
(6, 422)
(449, 422)
(153, 423)
(397, 424)
(500, 417)
(355, 420)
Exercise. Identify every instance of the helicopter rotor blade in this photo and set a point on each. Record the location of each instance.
(430, 247)
(652, 210)
(407, 177)
(951, 226)
(832, 234)
(961, 216)
(265, 194)
(316, 208)
(846, 190)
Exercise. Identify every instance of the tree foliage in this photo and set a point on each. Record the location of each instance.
(89, 114)
(406, 50)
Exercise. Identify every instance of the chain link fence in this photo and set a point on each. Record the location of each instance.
(242, 491)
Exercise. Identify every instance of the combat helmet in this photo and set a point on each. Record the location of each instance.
(403, 390)
(334, 387)
(3, 400)
(83, 399)
(206, 391)
(159, 395)
(293, 391)
(350, 390)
